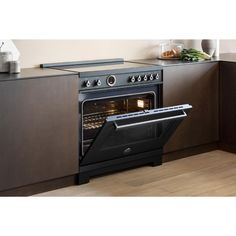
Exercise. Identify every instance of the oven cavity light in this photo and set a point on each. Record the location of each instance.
(140, 103)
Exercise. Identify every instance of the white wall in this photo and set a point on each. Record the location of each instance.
(228, 46)
(34, 52)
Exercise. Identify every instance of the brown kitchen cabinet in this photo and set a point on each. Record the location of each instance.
(198, 85)
(38, 130)
(227, 106)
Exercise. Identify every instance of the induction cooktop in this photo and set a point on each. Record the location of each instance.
(99, 67)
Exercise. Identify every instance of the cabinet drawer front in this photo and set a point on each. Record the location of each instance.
(198, 85)
(38, 130)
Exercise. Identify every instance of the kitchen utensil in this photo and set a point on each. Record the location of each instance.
(14, 67)
(5, 58)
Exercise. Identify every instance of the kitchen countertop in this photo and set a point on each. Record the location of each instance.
(33, 73)
(165, 63)
(228, 57)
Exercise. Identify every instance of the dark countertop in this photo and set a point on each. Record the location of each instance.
(33, 73)
(164, 63)
(228, 57)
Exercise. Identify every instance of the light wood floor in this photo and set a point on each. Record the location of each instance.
(208, 174)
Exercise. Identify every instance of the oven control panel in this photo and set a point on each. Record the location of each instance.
(144, 78)
(119, 80)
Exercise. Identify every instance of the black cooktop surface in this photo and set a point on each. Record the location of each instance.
(95, 67)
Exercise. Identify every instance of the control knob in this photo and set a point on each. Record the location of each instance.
(87, 83)
(157, 76)
(151, 77)
(132, 80)
(145, 78)
(139, 79)
(98, 82)
(111, 80)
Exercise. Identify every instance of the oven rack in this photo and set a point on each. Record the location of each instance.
(96, 121)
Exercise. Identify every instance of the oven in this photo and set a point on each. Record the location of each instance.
(96, 107)
(125, 126)
(122, 123)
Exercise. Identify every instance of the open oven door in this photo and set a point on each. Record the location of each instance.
(132, 133)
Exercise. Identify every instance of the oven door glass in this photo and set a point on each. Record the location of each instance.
(135, 132)
(95, 112)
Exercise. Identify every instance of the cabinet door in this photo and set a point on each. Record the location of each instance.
(227, 111)
(38, 130)
(197, 85)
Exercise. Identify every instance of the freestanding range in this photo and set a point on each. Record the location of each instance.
(121, 120)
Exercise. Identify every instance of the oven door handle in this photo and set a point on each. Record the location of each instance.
(119, 127)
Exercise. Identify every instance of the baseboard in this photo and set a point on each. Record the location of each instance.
(41, 187)
(227, 147)
(72, 180)
(171, 156)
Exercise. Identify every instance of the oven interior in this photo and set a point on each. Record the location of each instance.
(95, 112)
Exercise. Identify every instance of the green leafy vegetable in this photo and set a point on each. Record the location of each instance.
(193, 55)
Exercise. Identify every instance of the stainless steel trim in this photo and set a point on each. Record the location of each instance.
(149, 121)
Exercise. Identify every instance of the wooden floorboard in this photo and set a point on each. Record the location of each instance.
(208, 174)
